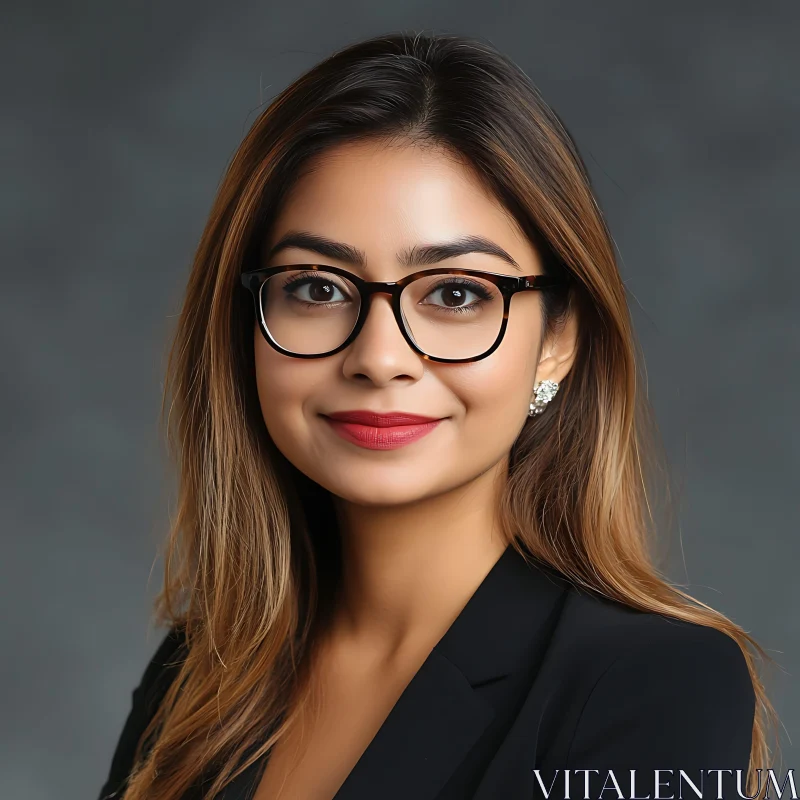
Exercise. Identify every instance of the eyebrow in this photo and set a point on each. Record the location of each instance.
(418, 255)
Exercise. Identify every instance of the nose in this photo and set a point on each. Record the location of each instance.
(380, 352)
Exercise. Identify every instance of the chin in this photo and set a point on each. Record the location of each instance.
(372, 489)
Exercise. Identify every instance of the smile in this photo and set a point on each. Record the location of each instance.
(375, 431)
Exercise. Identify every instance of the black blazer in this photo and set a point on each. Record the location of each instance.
(535, 674)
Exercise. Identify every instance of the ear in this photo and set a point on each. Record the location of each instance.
(558, 351)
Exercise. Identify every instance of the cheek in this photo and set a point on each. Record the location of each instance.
(496, 391)
(284, 386)
(505, 379)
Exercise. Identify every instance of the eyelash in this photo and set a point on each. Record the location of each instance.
(475, 288)
(306, 278)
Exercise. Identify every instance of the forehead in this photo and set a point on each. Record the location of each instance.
(381, 197)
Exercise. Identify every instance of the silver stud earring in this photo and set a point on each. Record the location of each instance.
(545, 391)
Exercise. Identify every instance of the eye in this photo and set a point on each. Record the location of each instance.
(314, 288)
(456, 294)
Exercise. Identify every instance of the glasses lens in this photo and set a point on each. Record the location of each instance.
(308, 311)
(452, 316)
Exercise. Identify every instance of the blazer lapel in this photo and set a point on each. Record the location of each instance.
(444, 710)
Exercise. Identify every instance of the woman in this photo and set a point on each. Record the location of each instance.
(411, 555)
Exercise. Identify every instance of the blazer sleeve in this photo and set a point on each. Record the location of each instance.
(144, 702)
(679, 699)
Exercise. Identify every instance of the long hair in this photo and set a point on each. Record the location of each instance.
(252, 552)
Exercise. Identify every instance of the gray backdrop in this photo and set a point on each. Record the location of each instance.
(118, 120)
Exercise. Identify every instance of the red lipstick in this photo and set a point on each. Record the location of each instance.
(380, 431)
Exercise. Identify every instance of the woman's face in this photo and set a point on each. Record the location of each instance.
(382, 200)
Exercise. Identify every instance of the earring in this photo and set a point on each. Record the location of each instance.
(545, 391)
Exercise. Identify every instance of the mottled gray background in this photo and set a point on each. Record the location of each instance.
(117, 122)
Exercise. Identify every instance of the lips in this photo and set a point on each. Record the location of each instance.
(380, 420)
(376, 431)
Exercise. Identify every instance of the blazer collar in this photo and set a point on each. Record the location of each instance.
(442, 712)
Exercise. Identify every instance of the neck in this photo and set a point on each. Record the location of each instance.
(408, 571)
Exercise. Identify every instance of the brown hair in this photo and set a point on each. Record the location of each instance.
(250, 557)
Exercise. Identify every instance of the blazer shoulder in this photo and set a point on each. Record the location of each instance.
(595, 623)
(591, 631)
(159, 673)
(666, 692)
(163, 666)
(672, 650)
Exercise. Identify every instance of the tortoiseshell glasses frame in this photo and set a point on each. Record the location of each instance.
(507, 285)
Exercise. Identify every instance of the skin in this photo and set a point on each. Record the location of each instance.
(419, 525)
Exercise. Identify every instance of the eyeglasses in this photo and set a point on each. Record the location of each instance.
(445, 315)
